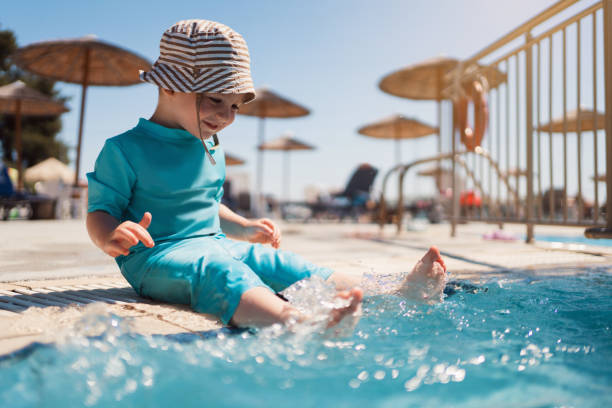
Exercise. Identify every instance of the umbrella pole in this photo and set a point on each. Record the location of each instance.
(18, 146)
(455, 184)
(286, 176)
(81, 116)
(258, 201)
(398, 153)
(439, 175)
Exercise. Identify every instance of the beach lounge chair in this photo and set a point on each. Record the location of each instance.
(349, 202)
(40, 206)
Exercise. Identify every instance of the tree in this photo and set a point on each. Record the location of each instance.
(38, 133)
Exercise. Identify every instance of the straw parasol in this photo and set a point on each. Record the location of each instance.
(589, 121)
(18, 99)
(231, 160)
(50, 169)
(86, 61)
(397, 127)
(427, 80)
(269, 104)
(285, 143)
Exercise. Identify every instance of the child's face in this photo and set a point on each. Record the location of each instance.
(217, 111)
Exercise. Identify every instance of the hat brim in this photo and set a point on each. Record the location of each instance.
(166, 78)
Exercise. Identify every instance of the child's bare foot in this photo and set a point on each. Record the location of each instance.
(352, 311)
(427, 280)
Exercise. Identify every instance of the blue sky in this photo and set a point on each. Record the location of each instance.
(327, 55)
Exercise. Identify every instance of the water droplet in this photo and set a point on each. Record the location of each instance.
(363, 375)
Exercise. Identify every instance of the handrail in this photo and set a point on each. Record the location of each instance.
(480, 151)
(382, 211)
(403, 169)
(549, 32)
(522, 29)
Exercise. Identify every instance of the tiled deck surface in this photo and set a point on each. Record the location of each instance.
(50, 272)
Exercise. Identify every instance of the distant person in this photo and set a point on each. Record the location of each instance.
(154, 197)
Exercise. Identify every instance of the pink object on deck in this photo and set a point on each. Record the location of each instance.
(500, 235)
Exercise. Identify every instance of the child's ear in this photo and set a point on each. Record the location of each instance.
(165, 91)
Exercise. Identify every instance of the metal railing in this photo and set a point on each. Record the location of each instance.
(535, 166)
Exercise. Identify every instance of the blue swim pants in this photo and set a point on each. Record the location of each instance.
(211, 273)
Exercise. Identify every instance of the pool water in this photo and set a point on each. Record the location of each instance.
(505, 343)
(574, 240)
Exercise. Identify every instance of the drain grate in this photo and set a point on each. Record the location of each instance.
(19, 299)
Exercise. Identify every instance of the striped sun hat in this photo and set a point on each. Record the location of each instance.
(202, 56)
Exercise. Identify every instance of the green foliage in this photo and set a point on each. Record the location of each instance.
(38, 133)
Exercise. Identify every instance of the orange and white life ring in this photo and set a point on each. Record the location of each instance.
(471, 137)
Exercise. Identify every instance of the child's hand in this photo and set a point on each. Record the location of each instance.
(263, 231)
(127, 234)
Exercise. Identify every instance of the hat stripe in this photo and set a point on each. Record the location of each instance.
(209, 75)
(203, 50)
(180, 83)
(213, 48)
(232, 87)
(197, 46)
(229, 52)
(200, 42)
(203, 31)
(209, 62)
(159, 80)
(165, 79)
(215, 32)
(210, 82)
(213, 81)
(207, 57)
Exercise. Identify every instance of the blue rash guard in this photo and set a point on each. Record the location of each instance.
(166, 172)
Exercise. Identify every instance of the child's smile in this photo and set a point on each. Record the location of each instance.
(217, 111)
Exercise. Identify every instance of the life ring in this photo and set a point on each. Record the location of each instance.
(471, 137)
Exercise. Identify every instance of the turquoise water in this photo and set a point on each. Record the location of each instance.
(505, 343)
(573, 240)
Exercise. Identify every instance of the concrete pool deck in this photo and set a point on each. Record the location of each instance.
(51, 275)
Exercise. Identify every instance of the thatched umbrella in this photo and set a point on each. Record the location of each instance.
(285, 143)
(231, 160)
(427, 80)
(86, 61)
(397, 127)
(268, 104)
(589, 121)
(50, 169)
(18, 99)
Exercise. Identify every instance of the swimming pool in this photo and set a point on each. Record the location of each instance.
(573, 240)
(505, 343)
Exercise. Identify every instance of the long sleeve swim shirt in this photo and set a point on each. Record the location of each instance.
(164, 171)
